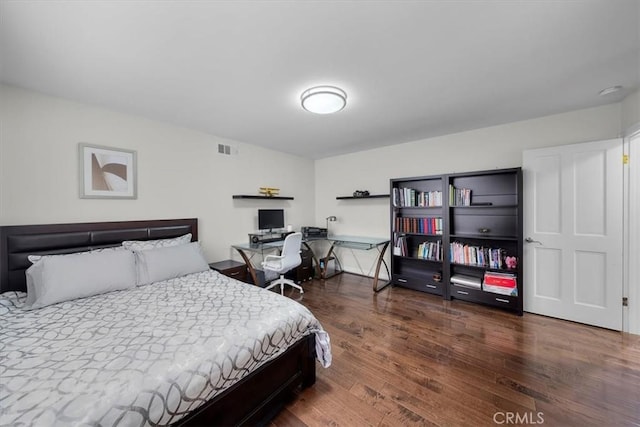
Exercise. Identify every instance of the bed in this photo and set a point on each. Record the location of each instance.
(198, 349)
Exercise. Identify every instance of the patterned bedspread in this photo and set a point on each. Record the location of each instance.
(143, 356)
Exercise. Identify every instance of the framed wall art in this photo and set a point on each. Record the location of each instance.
(106, 172)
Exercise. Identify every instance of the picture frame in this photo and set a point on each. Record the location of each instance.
(107, 172)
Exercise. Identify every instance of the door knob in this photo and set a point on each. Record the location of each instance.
(530, 240)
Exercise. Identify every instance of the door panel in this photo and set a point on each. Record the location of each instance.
(573, 225)
(547, 193)
(590, 279)
(548, 272)
(589, 190)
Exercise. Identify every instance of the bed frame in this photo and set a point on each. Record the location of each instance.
(254, 400)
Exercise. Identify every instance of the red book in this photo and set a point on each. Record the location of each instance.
(497, 279)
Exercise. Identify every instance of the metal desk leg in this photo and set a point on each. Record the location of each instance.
(380, 262)
(252, 270)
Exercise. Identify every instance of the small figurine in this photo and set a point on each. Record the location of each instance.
(269, 191)
(511, 262)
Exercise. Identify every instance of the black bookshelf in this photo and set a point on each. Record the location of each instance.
(478, 217)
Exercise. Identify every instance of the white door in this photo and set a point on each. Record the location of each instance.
(573, 214)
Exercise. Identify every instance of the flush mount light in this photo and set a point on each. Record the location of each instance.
(323, 99)
(612, 89)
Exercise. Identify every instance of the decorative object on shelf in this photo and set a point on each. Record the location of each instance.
(107, 173)
(332, 219)
(269, 191)
(323, 99)
(361, 193)
(511, 262)
(468, 281)
(370, 196)
(260, 197)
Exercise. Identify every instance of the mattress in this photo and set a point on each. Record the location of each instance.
(142, 356)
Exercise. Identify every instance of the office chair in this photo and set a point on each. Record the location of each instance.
(288, 259)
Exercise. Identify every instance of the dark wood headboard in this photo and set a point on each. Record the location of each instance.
(19, 241)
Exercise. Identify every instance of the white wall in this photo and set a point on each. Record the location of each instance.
(488, 148)
(180, 173)
(631, 112)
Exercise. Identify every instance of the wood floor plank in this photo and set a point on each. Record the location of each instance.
(403, 357)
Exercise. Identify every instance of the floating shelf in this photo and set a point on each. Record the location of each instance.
(249, 196)
(373, 196)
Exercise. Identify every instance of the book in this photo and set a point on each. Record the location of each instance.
(430, 251)
(500, 283)
(506, 280)
(410, 197)
(459, 196)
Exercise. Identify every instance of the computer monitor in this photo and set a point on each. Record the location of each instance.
(268, 219)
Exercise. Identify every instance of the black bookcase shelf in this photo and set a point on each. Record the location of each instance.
(491, 219)
(423, 259)
(248, 196)
(484, 206)
(482, 237)
(373, 196)
(427, 208)
(480, 267)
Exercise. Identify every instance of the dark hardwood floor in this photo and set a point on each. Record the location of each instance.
(401, 357)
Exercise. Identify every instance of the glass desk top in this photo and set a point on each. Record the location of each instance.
(355, 242)
(258, 247)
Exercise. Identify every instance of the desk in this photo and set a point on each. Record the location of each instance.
(262, 248)
(362, 243)
(352, 242)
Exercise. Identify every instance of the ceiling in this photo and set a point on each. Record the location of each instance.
(411, 69)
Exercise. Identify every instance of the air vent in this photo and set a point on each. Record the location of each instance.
(224, 149)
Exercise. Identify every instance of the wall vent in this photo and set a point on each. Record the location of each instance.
(224, 149)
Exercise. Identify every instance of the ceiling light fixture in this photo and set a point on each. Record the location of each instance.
(323, 99)
(612, 89)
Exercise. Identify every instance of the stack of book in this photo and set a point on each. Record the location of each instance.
(459, 196)
(461, 253)
(431, 251)
(500, 283)
(400, 246)
(409, 197)
(419, 225)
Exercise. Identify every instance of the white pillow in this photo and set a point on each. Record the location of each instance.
(57, 278)
(35, 258)
(140, 245)
(155, 265)
(108, 249)
(31, 293)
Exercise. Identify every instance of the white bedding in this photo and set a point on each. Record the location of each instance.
(142, 356)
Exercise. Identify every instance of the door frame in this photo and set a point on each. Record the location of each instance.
(631, 249)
